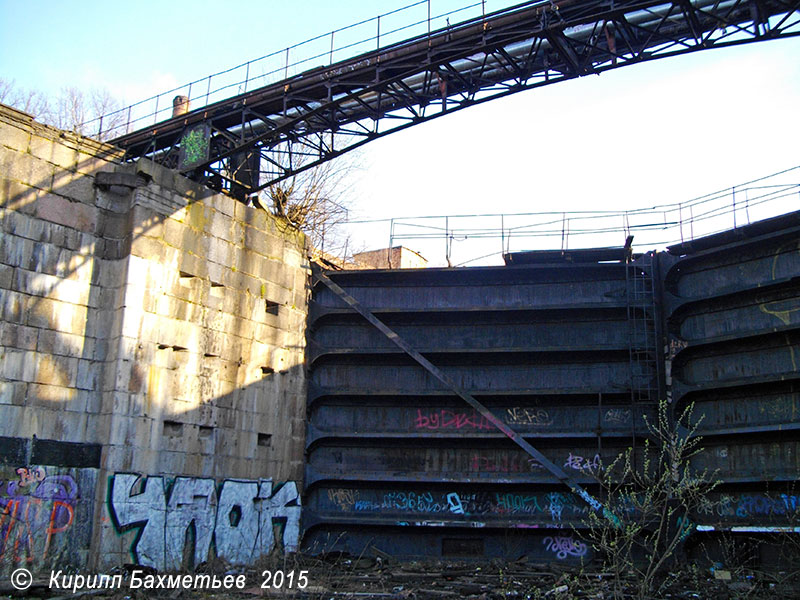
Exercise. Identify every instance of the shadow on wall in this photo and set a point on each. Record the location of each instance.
(148, 326)
(176, 523)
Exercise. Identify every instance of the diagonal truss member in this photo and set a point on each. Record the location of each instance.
(559, 473)
(250, 141)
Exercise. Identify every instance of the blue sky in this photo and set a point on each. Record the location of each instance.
(661, 132)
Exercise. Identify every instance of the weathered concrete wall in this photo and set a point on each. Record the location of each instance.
(149, 327)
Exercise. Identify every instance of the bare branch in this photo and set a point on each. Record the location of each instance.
(70, 110)
(32, 102)
(316, 202)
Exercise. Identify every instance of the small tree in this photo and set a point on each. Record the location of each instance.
(653, 500)
(316, 202)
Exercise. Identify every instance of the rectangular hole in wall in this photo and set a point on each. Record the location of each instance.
(217, 290)
(209, 355)
(272, 307)
(205, 431)
(265, 440)
(173, 428)
(187, 280)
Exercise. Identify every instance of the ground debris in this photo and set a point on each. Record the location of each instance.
(339, 577)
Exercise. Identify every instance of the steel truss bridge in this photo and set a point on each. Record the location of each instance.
(248, 142)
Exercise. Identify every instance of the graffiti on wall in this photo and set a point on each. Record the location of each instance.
(36, 512)
(244, 519)
(552, 506)
(449, 419)
(563, 546)
(521, 415)
(745, 506)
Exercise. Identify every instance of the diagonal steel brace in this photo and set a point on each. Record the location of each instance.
(468, 398)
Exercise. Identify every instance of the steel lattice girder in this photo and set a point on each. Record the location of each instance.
(303, 121)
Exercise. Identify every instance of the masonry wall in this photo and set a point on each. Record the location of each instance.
(151, 371)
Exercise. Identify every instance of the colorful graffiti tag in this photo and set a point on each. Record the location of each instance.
(36, 511)
(240, 518)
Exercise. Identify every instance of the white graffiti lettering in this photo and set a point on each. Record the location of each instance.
(579, 463)
(240, 518)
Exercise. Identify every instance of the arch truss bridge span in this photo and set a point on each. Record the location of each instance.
(253, 140)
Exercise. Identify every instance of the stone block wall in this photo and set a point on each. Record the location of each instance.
(149, 328)
(50, 252)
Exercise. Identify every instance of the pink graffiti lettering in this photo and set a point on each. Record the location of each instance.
(447, 419)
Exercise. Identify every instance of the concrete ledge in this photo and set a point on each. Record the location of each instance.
(106, 180)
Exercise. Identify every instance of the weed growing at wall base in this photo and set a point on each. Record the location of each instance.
(653, 495)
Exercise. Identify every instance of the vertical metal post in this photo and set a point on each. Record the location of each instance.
(246, 76)
(100, 127)
(208, 89)
(379, 32)
(286, 69)
(447, 241)
(155, 113)
(330, 60)
(734, 206)
(391, 242)
(189, 94)
(502, 234)
(747, 204)
(128, 124)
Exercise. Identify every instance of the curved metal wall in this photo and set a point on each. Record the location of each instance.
(572, 356)
(732, 321)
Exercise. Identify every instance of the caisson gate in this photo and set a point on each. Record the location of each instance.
(571, 351)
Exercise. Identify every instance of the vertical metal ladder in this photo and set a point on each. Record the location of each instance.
(642, 349)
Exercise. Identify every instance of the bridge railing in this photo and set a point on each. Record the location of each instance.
(483, 239)
(412, 20)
